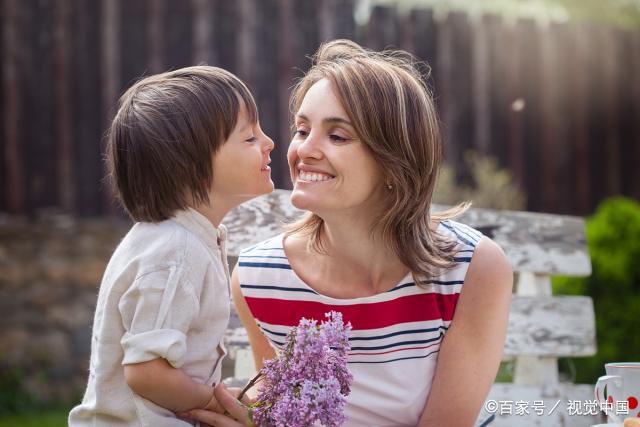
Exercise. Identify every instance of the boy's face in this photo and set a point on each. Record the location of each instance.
(241, 166)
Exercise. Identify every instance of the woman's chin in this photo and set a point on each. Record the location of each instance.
(301, 200)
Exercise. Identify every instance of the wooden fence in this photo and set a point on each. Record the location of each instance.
(558, 105)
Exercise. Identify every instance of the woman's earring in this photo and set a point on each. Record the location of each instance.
(389, 186)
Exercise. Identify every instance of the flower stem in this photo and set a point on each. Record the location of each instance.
(250, 384)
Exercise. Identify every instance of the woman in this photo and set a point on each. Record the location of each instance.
(428, 297)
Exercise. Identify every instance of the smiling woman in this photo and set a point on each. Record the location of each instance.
(427, 297)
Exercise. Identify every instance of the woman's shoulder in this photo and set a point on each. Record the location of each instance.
(483, 255)
(268, 247)
(466, 236)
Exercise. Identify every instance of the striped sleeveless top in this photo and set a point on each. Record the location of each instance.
(396, 334)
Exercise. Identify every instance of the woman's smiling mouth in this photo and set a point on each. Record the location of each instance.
(314, 177)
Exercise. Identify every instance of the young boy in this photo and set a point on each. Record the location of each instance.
(184, 148)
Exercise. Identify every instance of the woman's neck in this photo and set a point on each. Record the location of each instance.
(354, 249)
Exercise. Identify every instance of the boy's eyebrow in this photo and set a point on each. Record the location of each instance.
(330, 120)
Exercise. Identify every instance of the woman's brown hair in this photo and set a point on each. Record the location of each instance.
(163, 138)
(393, 113)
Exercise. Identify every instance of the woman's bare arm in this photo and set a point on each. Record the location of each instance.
(259, 344)
(471, 351)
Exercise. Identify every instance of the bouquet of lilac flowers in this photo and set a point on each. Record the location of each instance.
(309, 381)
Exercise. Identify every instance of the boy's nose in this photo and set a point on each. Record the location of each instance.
(269, 144)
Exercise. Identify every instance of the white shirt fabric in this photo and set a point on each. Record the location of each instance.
(164, 294)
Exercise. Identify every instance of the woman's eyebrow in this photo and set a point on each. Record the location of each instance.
(330, 120)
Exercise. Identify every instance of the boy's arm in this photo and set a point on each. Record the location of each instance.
(157, 311)
(168, 387)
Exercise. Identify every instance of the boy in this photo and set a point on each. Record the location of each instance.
(184, 148)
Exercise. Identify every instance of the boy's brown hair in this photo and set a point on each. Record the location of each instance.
(167, 129)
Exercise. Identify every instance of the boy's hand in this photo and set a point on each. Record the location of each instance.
(236, 415)
(213, 404)
(235, 391)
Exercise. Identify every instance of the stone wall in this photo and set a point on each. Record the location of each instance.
(50, 271)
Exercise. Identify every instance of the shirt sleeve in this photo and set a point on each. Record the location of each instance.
(157, 311)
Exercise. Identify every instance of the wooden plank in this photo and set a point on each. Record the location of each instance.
(499, 43)
(87, 102)
(564, 164)
(627, 116)
(578, 89)
(226, 34)
(611, 143)
(560, 394)
(63, 109)
(3, 167)
(110, 77)
(336, 19)
(202, 30)
(286, 80)
(156, 35)
(562, 326)
(536, 242)
(533, 242)
(382, 29)
(453, 86)
(481, 95)
(264, 83)
(424, 36)
(552, 145)
(39, 106)
(247, 23)
(527, 155)
(13, 117)
(133, 42)
(596, 114)
(635, 96)
(306, 34)
(178, 23)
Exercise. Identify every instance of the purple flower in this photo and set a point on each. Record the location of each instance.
(308, 382)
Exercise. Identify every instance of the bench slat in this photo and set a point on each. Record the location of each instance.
(560, 417)
(560, 326)
(533, 242)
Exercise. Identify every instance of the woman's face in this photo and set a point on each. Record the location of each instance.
(331, 169)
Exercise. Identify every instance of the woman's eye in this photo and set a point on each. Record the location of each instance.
(252, 139)
(301, 132)
(337, 138)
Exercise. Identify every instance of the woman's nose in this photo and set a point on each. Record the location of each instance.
(309, 147)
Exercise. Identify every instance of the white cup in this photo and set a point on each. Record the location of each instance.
(622, 383)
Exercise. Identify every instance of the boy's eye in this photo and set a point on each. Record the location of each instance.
(301, 132)
(252, 139)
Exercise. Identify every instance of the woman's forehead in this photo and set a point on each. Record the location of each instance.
(321, 103)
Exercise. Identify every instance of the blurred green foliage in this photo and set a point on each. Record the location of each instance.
(57, 418)
(491, 187)
(613, 237)
(13, 396)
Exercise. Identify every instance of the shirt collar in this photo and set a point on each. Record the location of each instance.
(199, 225)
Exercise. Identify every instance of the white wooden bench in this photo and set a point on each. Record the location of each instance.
(542, 327)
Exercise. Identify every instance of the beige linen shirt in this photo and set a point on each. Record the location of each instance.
(165, 293)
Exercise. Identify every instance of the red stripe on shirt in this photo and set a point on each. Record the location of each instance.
(410, 308)
(393, 351)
